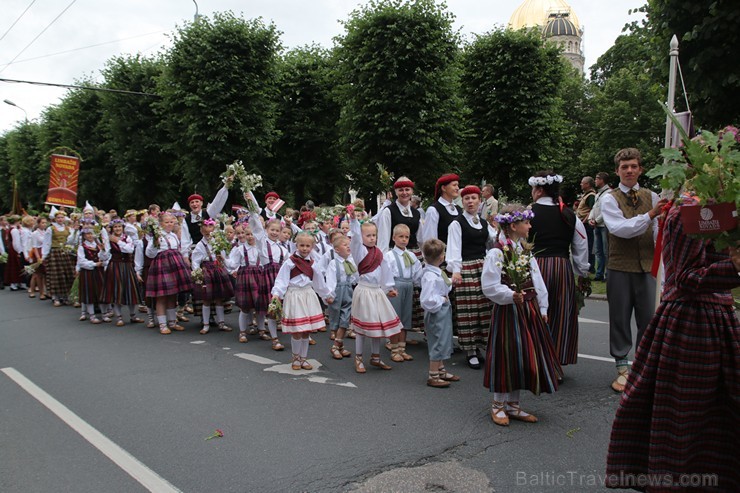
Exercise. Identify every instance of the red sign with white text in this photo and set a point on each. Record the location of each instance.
(63, 177)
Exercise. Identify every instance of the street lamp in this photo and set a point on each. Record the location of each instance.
(11, 103)
(196, 16)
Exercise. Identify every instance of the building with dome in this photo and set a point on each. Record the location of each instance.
(558, 24)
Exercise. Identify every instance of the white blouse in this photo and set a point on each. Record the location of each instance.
(453, 256)
(283, 281)
(381, 277)
(413, 272)
(168, 241)
(203, 252)
(243, 255)
(434, 290)
(331, 274)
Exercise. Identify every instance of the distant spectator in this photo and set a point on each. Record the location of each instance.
(596, 220)
(586, 203)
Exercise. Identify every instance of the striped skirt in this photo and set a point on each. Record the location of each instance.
(562, 314)
(13, 267)
(520, 355)
(473, 308)
(372, 314)
(247, 287)
(301, 311)
(168, 275)
(680, 411)
(60, 273)
(120, 286)
(266, 283)
(91, 286)
(216, 284)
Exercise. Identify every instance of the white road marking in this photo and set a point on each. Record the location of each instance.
(197, 342)
(226, 348)
(591, 321)
(597, 358)
(256, 359)
(130, 464)
(285, 369)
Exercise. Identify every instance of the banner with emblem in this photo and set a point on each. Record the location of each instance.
(63, 179)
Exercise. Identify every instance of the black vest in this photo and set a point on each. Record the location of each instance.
(194, 228)
(473, 240)
(264, 215)
(445, 219)
(552, 233)
(412, 222)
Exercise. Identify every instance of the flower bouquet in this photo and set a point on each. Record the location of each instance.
(275, 309)
(3, 258)
(248, 182)
(583, 291)
(152, 228)
(219, 242)
(74, 291)
(386, 178)
(709, 167)
(31, 269)
(516, 265)
(70, 249)
(197, 276)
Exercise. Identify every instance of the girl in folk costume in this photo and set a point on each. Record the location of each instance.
(559, 237)
(26, 230)
(91, 258)
(520, 354)
(372, 315)
(245, 258)
(120, 287)
(141, 267)
(14, 249)
(58, 260)
(35, 247)
(3, 224)
(215, 286)
(466, 252)
(298, 282)
(272, 255)
(341, 275)
(168, 274)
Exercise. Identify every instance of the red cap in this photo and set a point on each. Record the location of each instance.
(404, 184)
(444, 180)
(272, 194)
(468, 190)
(195, 196)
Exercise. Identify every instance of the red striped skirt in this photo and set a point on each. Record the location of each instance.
(247, 287)
(266, 283)
(120, 286)
(562, 313)
(168, 275)
(91, 286)
(473, 308)
(216, 284)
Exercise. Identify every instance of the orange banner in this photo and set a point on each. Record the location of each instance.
(63, 175)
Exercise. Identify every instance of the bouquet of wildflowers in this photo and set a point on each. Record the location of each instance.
(197, 276)
(152, 228)
(70, 249)
(386, 178)
(583, 291)
(219, 242)
(3, 258)
(275, 309)
(31, 269)
(248, 182)
(516, 265)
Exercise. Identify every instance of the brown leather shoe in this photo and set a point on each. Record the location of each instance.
(620, 382)
(305, 365)
(359, 365)
(513, 411)
(437, 383)
(396, 357)
(335, 353)
(178, 328)
(378, 363)
(496, 408)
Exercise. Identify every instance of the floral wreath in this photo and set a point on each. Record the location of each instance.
(540, 181)
(209, 222)
(514, 216)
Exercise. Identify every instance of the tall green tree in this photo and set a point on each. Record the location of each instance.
(510, 83)
(134, 139)
(398, 61)
(218, 91)
(306, 160)
(24, 157)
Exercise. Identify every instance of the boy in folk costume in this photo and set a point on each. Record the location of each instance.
(120, 286)
(59, 262)
(298, 282)
(341, 276)
(373, 315)
(216, 284)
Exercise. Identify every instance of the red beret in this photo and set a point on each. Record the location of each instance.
(404, 184)
(272, 194)
(195, 196)
(468, 190)
(444, 180)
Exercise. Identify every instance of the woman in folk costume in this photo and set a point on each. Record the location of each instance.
(59, 258)
(443, 210)
(466, 253)
(91, 259)
(297, 284)
(372, 315)
(216, 283)
(520, 355)
(558, 237)
(120, 287)
(14, 249)
(168, 274)
(245, 259)
(35, 247)
(272, 256)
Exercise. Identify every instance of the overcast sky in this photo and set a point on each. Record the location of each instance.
(138, 26)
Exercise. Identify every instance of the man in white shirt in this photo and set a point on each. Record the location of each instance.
(488, 205)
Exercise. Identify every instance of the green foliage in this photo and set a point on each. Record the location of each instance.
(399, 92)
(510, 83)
(23, 155)
(218, 91)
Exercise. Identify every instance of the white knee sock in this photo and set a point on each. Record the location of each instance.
(162, 319)
(132, 311)
(117, 310)
(375, 346)
(243, 322)
(171, 315)
(272, 326)
(501, 396)
(260, 321)
(206, 314)
(359, 343)
(295, 346)
(219, 313)
(304, 348)
(91, 310)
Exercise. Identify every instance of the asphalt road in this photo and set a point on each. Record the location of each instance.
(154, 399)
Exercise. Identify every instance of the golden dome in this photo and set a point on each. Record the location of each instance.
(534, 13)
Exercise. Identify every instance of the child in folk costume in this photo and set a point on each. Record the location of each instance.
(141, 267)
(298, 282)
(286, 239)
(245, 258)
(216, 283)
(14, 249)
(26, 230)
(406, 269)
(59, 263)
(372, 315)
(520, 353)
(341, 275)
(120, 286)
(168, 274)
(35, 246)
(435, 292)
(91, 258)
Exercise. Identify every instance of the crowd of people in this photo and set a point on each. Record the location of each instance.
(502, 278)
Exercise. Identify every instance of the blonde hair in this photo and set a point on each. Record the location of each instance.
(306, 234)
(339, 240)
(401, 228)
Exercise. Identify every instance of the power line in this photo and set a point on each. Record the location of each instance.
(88, 88)
(16, 21)
(82, 48)
(38, 35)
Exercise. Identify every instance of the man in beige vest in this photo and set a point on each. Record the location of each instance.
(630, 215)
(588, 199)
